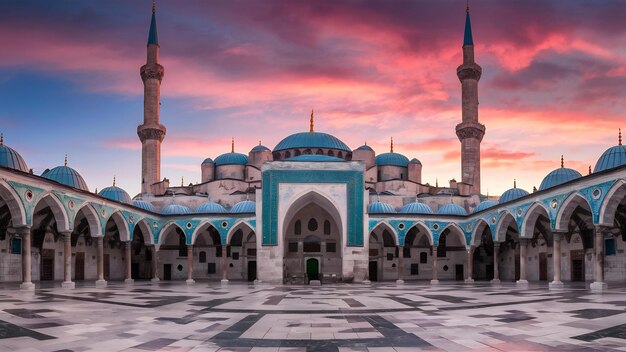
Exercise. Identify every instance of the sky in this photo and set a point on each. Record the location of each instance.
(553, 83)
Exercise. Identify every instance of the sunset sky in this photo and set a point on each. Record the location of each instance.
(554, 81)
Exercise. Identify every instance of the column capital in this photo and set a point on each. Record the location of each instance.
(603, 229)
(66, 234)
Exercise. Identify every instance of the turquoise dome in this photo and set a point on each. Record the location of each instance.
(451, 209)
(311, 140)
(260, 148)
(392, 159)
(611, 158)
(314, 158)
(210, 207)
(365, 147)
(208, 161)
(416, 208)
(559, 176)
(485, 205)
(247, 206)
(512, 194)
(231, 159)
(415, 161)
(174, 209)
(67, 176)
(144, 205)
(381, 208)
(11, 159)
(115, 193)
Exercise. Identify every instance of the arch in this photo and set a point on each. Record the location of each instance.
(613, 198)
(205, 225)
(319, 199)
(144, 226)
(567, 209)
(455, 228)
(16, 208)
(505, 220)
(480, 226)
(385, 226)
(122, 226)
(93, 220)
(60, 215)
(422, 228)
(238, 226)
(164, 231)
(531, 218)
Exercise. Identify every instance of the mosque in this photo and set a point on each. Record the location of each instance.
(313, 210)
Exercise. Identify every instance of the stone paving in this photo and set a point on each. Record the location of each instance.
(171, 316)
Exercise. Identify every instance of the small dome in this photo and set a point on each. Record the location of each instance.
(144, 205)
(415, 161)
(210, 207)
(231, 159)
(67, 176)
(365, 147)
(115, 193)
(451, 209)
(611, 158)
(392, 159)
(381, 208)
(174, 209)
(247, 206)
(559, 176)
(260, 148)
(311, 140)
(485, 205)
(11, 159)
(416, 208)
(208, 161)
(314, 158)
(512, 194)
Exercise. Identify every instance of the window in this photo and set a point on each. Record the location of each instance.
(228, 251)
(297, 152)
(389, 256)
(441, 249)
(287, 154)
(16, 246)
(202, 257)
(312, 244)
(307, 151)
(293, 247)
(331, 247)
(331, 153)
(235, 255)
(297, 228)
(373, 252)
(251, 252)
(182, 245)
(326, 227)
(415, 269)
(218, 251)
(319, 152)
(609, 246)
(312, 225)
(423, 258)
(340, 155)
(406, 252)
(210, 268)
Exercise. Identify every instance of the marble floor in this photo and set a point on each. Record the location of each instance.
(171, 316)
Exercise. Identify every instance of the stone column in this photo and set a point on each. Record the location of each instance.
(598, 283)
(434, 280)
(470, 265)
(27, 283)
(129, 263)
(522, 263)
(496, 270)
(190, 280)
(400, 279)
(67, 261)
(100, 282)
(155, 265)
(224, 265)
(556, 283)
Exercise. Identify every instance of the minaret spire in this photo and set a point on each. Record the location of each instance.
(391, 149)
(619, 137)
(113, 180)
(467, 38)
(153, 38)
(232, 145)
(562, 162)
(1, 139)
(65, 161)
(311, 122)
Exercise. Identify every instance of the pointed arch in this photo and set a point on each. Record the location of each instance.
(144, 226)
(384, 225)
(61, 218)
(121, 224)
(506, 219)
(164, 231)
(613, 198)
(242, 224)
(16, 208)
(530, 219)
(93, 220)
(204, 225)
(455, 228)
(567, 210)
(313, 197)
(479, 228)
(422, 228)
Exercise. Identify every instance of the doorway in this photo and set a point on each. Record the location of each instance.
(80, 266)
(578, 265)
(107, 267)
(459, 272)
(312, 269)
(167, 272)
(47, 265)
(134, 271)
(373, 271)
(543, 267)
(252, 270)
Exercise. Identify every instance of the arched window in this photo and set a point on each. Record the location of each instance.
(237, 238)
(441, 249)
(312, 226)
(312, 244)
(388, 239)
(326, 227)
(297, 228)
(202, 257)
(182, 244)
(319, 152)
(331, 153)
(340, 155)
(297, 152)
(308, 151)
(287, 154)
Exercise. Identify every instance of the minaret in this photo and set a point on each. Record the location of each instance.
(470, 131)
(151, 132)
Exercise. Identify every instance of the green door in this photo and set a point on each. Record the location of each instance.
(312, 269)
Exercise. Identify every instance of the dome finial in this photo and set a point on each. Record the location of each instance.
(365, 143)
(182, 181)
(589, 169)
(619, 137)
(232, 145)
(467, 7)
(437, 182)
(562, 162)
(1, 139)
(113, 180)
(65, 162)
(391, 144)
(259, 142)
(154, 6)
(514, 183)
(311, 122)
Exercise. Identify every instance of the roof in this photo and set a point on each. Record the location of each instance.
(314, 158)
(311, 140)
(247, 206)
(67, 176)
(415, 161)
(485, 205)
(611, 158)
(115, 193)
(144, 205)
(380, 208)
(208, 161)
(365, 147)
(231, 159)
(512, 194)
(416, 208)
(210, 207)
(260, 148)
(174, 209)
(467, 38)
(451, 209)
(558, 176)
(11, 159)
(153, 38)
(392, 159)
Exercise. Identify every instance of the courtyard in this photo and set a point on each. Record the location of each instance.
(172, 316)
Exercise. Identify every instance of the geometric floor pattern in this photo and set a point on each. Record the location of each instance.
(171, 316)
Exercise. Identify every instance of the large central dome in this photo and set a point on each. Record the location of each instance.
(311, 140)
